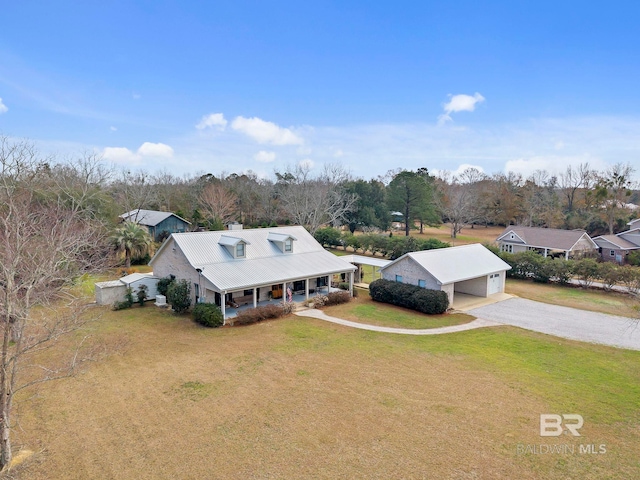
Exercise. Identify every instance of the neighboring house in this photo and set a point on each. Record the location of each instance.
(248, 266)
(157, 222)
(107, 293)
(470, 269)
(615, 248)
(547, 241)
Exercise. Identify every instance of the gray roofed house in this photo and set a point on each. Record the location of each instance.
(466, 269)
(547, 241)
(249, 266)
(157, 222)
(615, 248)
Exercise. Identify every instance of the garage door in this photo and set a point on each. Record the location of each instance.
(494, 283)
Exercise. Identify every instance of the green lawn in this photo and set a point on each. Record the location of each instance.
(364, 310)
(592, 299)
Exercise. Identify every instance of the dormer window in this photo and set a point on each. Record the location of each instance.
(234, 245)
(282, 241)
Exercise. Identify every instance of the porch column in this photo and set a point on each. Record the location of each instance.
(306, 289)
(223, 304)
(351, 284)
(566, 255)
(545, 253)
(255, 297)
(284, 293)
(329, 279)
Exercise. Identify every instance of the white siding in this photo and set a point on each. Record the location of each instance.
(475, 286)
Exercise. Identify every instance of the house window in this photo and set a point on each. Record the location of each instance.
(399, 278)
(240, 250)
(288, 245)
(246, 293)
(612, 253)
(422, 283)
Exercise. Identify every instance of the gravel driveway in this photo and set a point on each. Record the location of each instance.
(564, 322)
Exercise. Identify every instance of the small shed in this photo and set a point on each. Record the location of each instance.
(107, 293)
(469, 269)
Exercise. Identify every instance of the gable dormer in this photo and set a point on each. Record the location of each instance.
(237, 247)
(283, 241)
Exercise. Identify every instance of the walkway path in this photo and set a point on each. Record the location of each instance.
(319, 314)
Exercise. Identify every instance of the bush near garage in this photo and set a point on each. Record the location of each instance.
(432, 302)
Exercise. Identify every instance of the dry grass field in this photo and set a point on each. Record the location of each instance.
(477, 234)
(301, 398)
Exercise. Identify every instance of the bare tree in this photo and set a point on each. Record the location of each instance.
(315, 201)
(613, 188)
(218, 203)
(460, 198)
(572, 180)
(134, 191)
(47, 239)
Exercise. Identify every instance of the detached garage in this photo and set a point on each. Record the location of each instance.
(469, 269)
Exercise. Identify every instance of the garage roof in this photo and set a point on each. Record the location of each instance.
(455, 264)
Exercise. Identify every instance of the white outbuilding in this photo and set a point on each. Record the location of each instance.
(469, 269)
(107, 293)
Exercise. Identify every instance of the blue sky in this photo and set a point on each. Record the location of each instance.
(190, 87)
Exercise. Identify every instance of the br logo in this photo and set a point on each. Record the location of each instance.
(552, 425)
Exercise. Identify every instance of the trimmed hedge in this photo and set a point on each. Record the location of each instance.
(336, 298)
(423, 300)
(208, 315)
(265, 312)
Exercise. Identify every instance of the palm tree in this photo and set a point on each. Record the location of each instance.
(132, 238)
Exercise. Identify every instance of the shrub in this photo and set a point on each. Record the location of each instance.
(562, 271)
(179, 295)
(586, 270)
(343, 285)
(121, 305)
(208, 315)
(127, 302)
(163, 284)
(320, 301)
(265, 312)
(328, 237)
(630, 278)
(431, 302)
(609, 273)
(142, 294)
(336, 298)
(634, 258)
(409, 296)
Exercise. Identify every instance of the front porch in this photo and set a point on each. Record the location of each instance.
(231, 312)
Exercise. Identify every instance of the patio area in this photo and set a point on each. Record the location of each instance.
(231, 312)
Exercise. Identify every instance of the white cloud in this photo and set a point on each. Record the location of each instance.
(212, 120)
(338, 153)
(136, 96)
(459, 103)
(148, 149)
(265, 132)
(265, 157)
(3, 107)
(113, 129)
(120, 155)
(307, 163)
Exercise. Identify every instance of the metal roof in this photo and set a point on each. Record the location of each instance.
(362, 260)
(455, 264)
(553, 238)
(150, 218)
(279, 237)
(264, 263)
